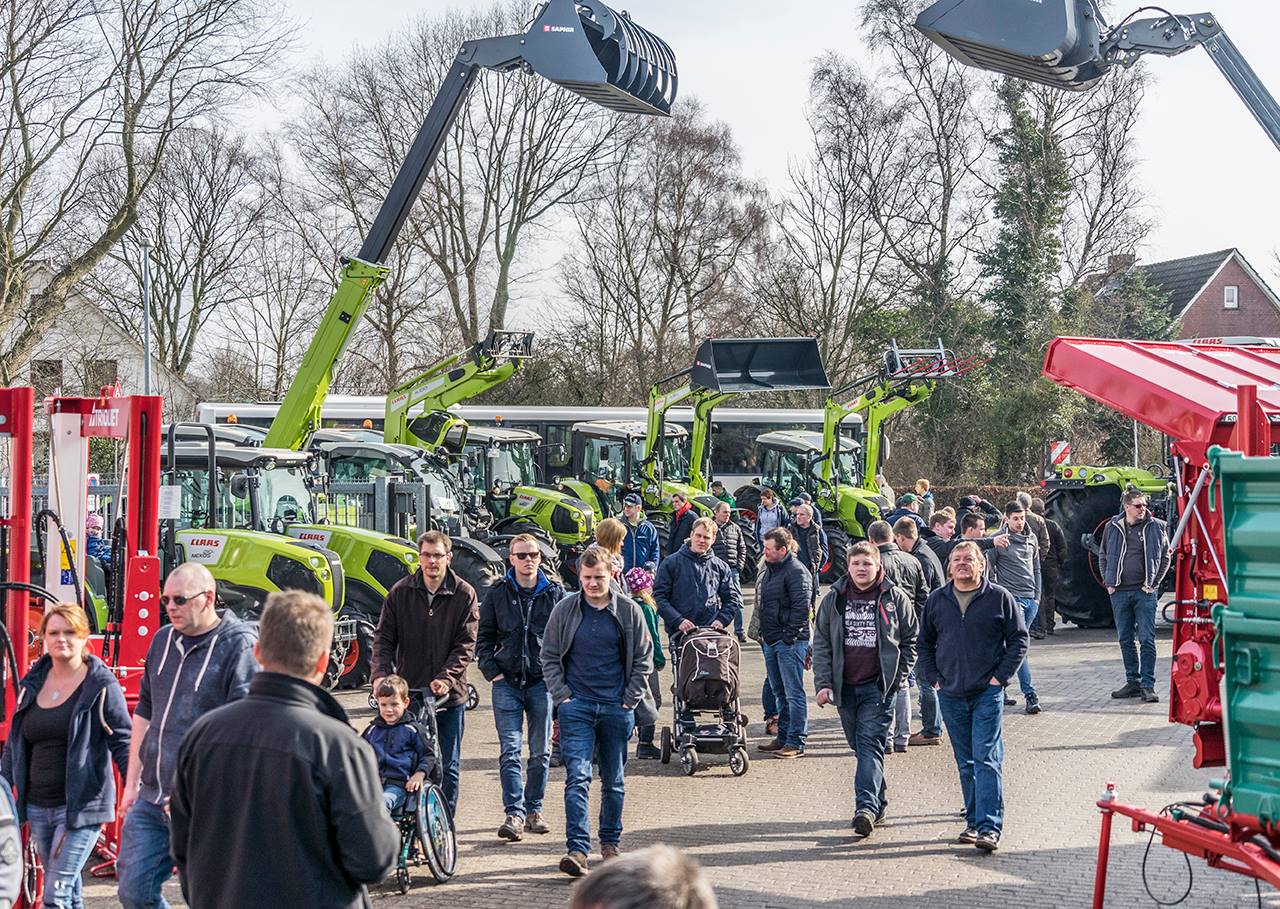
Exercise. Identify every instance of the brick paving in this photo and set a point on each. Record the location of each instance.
(779, 837)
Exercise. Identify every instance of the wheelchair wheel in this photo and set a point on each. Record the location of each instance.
(473, 697)
(666, 745)
(436, 831)
(402, 879)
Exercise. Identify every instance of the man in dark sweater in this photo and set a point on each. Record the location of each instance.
(597, 654)
(1135, 557)
(864, 646)
(972, 640)
(1050, 569)
(785, 597)
(427, 636)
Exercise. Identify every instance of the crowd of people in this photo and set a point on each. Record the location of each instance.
(245, 775)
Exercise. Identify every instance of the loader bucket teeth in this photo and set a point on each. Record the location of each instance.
(759, 364)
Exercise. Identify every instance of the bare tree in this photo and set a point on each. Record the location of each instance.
(94, 92)
(658, 251)
(206, 203)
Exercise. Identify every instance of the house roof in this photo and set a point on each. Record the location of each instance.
(1183, 280)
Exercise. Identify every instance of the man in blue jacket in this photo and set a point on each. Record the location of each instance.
(640, 548)
(1135, 557)
(972, 641)
(694, 589)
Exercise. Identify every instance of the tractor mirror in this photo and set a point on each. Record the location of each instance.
(239, 486)
(739, 365)
(1054, 42)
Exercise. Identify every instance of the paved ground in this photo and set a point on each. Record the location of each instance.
(779, 836)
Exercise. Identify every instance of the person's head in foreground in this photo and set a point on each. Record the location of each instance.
(659, 877)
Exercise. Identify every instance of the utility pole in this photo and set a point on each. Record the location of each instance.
(146, 317)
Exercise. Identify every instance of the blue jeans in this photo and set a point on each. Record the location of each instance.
(930, 721)
(737, 614)
(510, 707)
(588, 727)
(144, 863)
(394, 797)
(62, 852)
(974, 725)
(785, 665)
(1136, 608)
(449, 723)
(1030, 609)
(768, 702)
(865, 714)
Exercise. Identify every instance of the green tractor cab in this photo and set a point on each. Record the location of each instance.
(222, 523)
(1082, 499)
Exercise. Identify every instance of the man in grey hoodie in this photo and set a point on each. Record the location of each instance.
(1016, 568)
(201, 661)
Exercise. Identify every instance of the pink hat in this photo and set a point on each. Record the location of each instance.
(93, 521)
(638, 579)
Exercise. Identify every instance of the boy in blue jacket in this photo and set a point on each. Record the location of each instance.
(402, 754)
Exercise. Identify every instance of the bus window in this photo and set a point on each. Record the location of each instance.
(558, 437)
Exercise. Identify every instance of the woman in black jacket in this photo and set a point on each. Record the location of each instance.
(71, 721)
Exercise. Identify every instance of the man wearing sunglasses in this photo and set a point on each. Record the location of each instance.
(1135, 557)
(427, 636)
(513, 619)
(203, 660)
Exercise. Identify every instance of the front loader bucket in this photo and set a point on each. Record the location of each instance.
(739, 365)
(593, 51)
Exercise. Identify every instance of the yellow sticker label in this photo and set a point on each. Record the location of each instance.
(65, 564)
(1210, 591)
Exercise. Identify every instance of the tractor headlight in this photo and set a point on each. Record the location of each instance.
(316, 561)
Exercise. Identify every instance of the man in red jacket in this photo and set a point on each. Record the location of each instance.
(427, 636)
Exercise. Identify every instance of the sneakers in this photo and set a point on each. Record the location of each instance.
(919, 738)
(900, 749)
(646, 751)
(1149, 696)
(608, 851)
(988, 842)
(1130, 690)
(512, 828)
(1033, 704)
(771, 725)
(574, 864)
(787, 752)
(1010, 702)
(1037, 634)
(864, 822)
(968, 837)
(775, 745)
(535, 824)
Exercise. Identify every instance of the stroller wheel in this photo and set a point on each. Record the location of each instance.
(666, 745)
(689, 761)
(738, 761)
(402, 879)
(473, 697)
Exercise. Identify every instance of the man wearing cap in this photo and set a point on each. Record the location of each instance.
(640, 548)
(805, 499)
(908, 507)
(718, 490)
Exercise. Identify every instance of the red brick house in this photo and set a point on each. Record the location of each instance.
(1217, 295)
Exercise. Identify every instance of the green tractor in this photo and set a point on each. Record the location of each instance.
(1082, 499)
(223, 522)
(839, 470)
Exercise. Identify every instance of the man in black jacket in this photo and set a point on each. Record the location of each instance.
(682, 518)
(904, 533)
(864, 646)
(276, 799)
(730, 548)
(694, 589)
(902, 570)
(972, 641)
(1050, 568)
(513, 618)
(785, 599)
(427, 636)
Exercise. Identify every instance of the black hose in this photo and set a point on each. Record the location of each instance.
(7, 640)
(71, 560)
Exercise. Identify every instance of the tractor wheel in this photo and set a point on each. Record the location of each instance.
(838, 553)
(476, 571)
(748, 499)
(752, 564)
(358, 663)
(1080, 597)
(663, 526)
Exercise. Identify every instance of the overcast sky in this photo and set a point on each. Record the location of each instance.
(1209, 170)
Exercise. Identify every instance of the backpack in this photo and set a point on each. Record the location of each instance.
(707, 671)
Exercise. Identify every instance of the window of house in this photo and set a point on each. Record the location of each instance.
(1231, 297)
(99, 374)
(46, 377)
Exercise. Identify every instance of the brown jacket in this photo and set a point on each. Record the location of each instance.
(423, 637)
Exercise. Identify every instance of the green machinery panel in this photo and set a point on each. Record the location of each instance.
(1249, 630)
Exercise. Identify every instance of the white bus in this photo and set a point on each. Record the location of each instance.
(735, 458)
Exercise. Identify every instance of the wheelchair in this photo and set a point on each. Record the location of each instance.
(427, 833)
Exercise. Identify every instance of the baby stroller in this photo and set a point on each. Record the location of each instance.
(706, 714)
(427, 833)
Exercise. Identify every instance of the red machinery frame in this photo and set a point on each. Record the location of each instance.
(1199, 396)
(17, 421)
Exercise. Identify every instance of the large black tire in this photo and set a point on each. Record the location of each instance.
(663, 526)
(1080, 596)
(358, 664)
(752, 564)
(837, 553)
(748, 499)
(479, 572)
